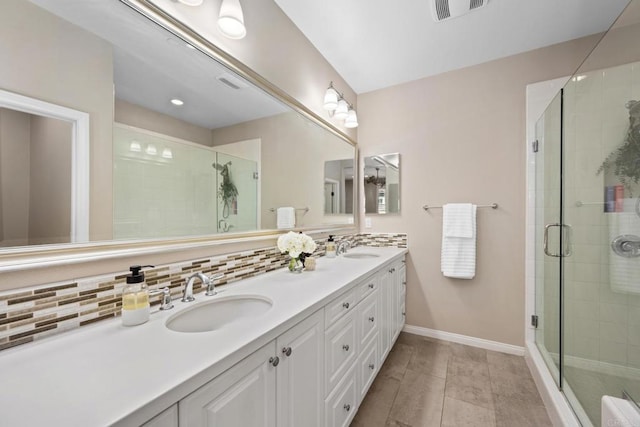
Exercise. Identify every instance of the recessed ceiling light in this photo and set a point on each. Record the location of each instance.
(178, 102)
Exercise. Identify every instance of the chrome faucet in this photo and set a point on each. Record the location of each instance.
(342, 247)
(165, 300)
(187, 296)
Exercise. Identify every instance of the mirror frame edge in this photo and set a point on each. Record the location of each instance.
(27, 258)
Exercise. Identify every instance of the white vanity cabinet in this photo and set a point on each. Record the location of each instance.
(166, 418)
(281, 384)
(316, 373)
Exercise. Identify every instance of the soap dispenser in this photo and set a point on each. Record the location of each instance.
(135, 298)
(331, 248)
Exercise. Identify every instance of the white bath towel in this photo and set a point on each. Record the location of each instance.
(624, 273)
(286, 217)
(458, 257)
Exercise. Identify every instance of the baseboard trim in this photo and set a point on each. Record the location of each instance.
(464, 339)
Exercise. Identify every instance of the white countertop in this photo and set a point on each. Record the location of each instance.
(110, 374)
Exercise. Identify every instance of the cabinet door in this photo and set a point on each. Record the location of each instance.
(300, 374)
(244, 395)
(166, 418)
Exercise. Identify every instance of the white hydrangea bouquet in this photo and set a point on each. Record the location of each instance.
(298, 246)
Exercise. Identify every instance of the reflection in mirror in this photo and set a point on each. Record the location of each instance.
(382, 184)
(184, 147)
(338, 186)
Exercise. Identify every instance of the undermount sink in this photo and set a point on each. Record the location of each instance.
(213, 315)
(360, 255)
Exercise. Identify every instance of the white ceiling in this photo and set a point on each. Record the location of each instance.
(151, 67)
(374, 44)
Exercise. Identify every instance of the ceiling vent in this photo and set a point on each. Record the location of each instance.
(232, 81)
(447, 9)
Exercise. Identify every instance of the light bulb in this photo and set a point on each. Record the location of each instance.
(342, 110)
(231, 19)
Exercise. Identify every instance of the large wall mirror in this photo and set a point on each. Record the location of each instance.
(177, 145)
(382, 184)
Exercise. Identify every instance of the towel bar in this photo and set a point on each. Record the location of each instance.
(492, 206)
(298, 209)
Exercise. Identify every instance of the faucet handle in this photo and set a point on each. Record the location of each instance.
(211, 286)
(165, 302)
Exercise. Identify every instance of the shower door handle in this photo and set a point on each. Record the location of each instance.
(567, 241)
(546, 240)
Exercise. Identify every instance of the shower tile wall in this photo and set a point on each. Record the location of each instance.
(602, 325)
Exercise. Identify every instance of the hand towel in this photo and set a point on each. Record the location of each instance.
(458, 257)
(286, 217)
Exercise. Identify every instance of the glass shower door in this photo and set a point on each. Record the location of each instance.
(237, 194)
(548, 217)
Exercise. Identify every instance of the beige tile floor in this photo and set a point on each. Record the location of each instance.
(426, 382)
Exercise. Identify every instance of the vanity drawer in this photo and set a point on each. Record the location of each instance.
(340, 306)
(368, 366)
(342, 404)
(341, 350)
(368, 318)
(367, 287)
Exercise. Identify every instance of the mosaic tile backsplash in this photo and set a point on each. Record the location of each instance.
(35, 313)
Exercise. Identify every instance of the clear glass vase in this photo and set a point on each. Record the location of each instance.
(295, 265)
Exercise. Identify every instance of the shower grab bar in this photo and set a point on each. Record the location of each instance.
(492, 206)
(567, 241)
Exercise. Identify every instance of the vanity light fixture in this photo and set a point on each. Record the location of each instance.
(231, 19)
(135, 147)
(151, 150)
(339, 108)
(177, 102)
(167, 154)
(352, 119)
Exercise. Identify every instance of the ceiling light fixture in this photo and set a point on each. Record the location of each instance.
(339, 108)
(231, 19)
(177, 102)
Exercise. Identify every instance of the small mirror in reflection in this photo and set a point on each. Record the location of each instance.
(382, 184)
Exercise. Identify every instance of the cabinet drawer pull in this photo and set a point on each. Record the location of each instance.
(372, 366)
(345, 305)
(347, 407)
(370, 285)
(404, 283)
(274, 360)
(286, 351)
(345, 347)
(391, 270)
(404, 314)
(371, 319)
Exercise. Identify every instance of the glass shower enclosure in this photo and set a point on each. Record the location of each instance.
(587, 226)
(165, 187)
